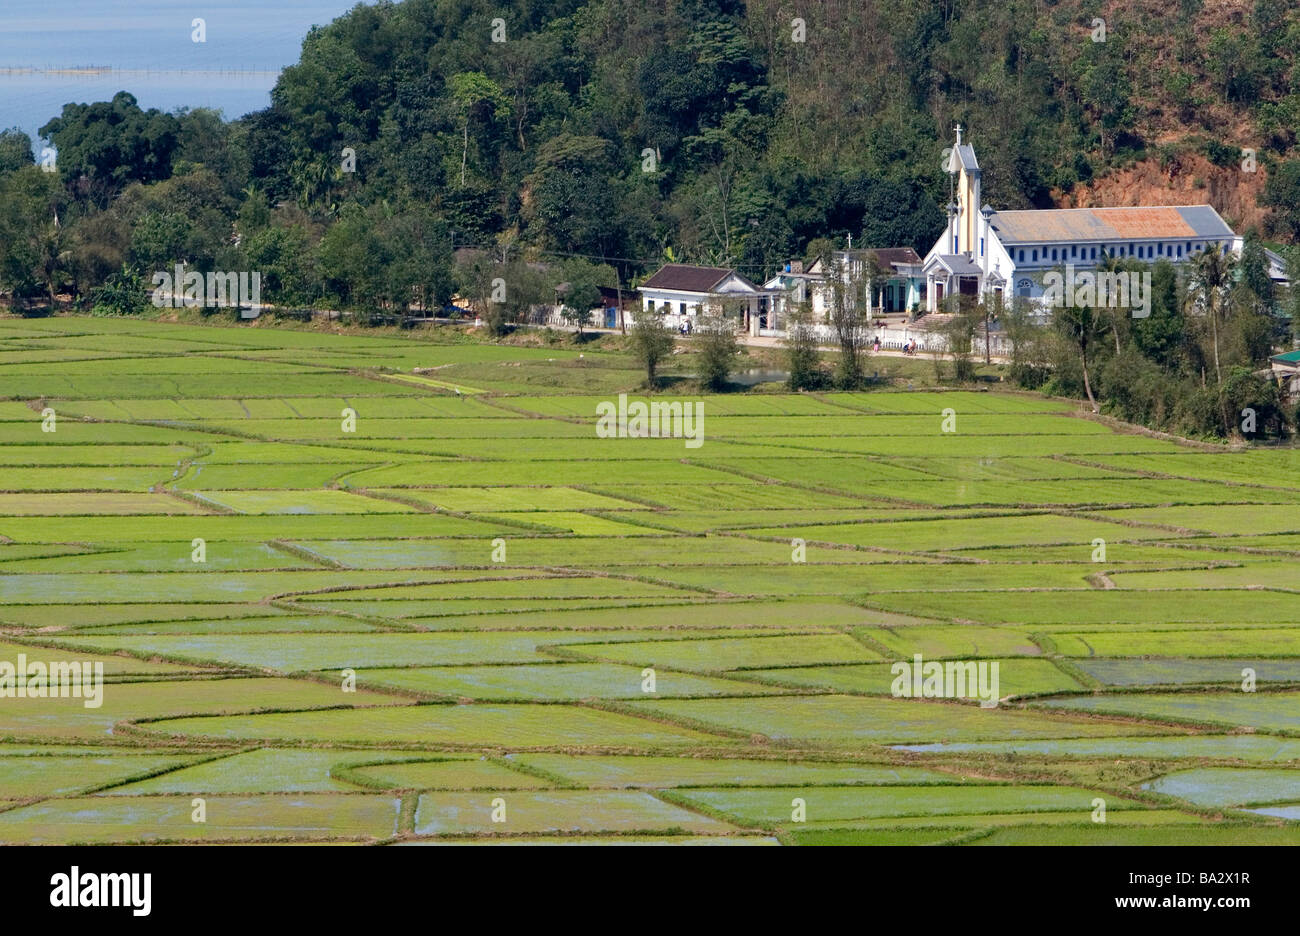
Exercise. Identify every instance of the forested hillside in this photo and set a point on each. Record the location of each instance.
(622, 132)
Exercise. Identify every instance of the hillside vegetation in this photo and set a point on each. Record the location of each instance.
(624, 132)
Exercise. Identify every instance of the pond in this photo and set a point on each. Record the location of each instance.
(749, 378)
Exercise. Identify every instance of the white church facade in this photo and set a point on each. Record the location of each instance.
(998, 255)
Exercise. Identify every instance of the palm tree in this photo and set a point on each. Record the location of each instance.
(52, 259)
(1214, 274)
(1078, 323)
(1110, 265)
(312, 177)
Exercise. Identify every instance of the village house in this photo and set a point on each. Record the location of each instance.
(680, 293)
(614, 307)
(897, 284)
(792, 287)
(617, 306)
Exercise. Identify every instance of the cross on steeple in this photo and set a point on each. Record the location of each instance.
(958, 129)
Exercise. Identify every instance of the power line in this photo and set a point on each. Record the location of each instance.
(638, 260)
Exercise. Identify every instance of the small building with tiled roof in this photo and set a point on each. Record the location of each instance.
(682, 277)
(681, 292)
(1001, 254)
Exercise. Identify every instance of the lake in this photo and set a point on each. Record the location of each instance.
(57, 51)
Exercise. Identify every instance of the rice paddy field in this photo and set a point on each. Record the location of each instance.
(396, 589)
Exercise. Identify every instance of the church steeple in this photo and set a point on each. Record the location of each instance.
(965, 172)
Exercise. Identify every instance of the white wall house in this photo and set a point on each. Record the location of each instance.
(898, 287)
(1001, 254)
(680, 293)
(791, 288)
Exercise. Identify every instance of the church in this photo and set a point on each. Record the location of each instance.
(995, 255)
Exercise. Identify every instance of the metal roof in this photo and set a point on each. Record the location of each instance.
(1108, 224)
(963, 157)
(957, 263)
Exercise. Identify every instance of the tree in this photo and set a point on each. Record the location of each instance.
(35, 249)
(1233, 66)
(1108, 309)
(123, 293)
(203, 138)
(1282, 193)
(801, 348)
(284, 255)
(847, 310)
(1257, 286)
(1213, 272)
(421, 258)
(651, 342)
(872, 274)
(53, 258)
(114, 142)
(716, 347)
(100, 243)
(1160, 335)
(475, 275)
(526, 287)
(15, 150)
(572, 207)
(352, 258)
(889, 213)
(313, 178)
(1104, 91)
(1078, 324)
(959, 339)
(159, 240)
(581, 296)
(1028, 365)
(254, 212)
(1293, 291)
(1244, 390)
(476, 96)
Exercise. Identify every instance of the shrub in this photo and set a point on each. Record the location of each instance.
(716, 346)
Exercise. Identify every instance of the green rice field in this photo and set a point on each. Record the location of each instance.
(465, 617)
